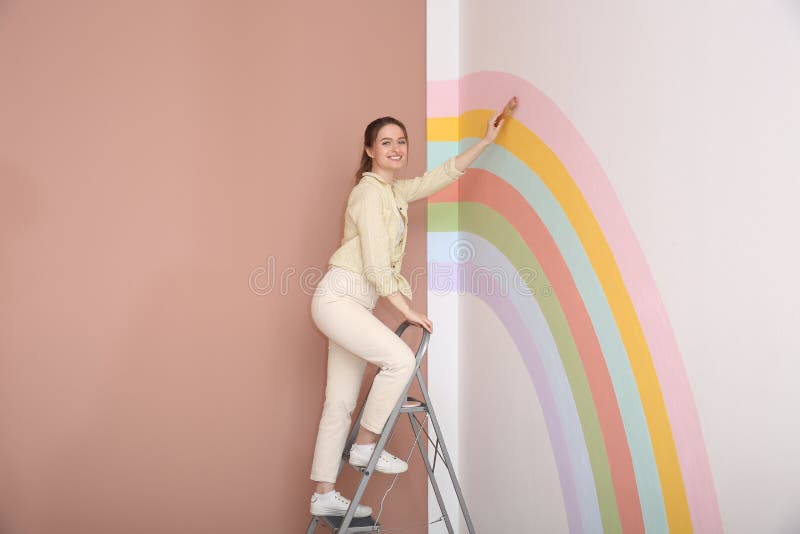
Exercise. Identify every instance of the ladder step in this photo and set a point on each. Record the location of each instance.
(358, 524)
(412, 409)
(412, 405)
(410, 402)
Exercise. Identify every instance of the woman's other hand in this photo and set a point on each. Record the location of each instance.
(419, 319)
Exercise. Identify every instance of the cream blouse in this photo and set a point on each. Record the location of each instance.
(373, 243)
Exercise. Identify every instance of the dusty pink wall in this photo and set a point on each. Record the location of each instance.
(153, 155)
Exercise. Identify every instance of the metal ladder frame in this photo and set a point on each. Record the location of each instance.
(348, 524)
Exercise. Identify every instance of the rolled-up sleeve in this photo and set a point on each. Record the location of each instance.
(429, 183)
(367, 211)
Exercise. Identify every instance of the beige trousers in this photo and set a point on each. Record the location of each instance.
(342, 309)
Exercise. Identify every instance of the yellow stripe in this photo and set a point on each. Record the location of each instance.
(443, 129)
(526, 146)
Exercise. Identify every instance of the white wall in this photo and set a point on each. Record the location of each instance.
(443, 382)
(499, 405)
(692, 109)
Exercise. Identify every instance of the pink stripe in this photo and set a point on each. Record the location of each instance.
(490, 90)
(443, 99)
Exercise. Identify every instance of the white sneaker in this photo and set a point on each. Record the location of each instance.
(387, 463)
(332, 503)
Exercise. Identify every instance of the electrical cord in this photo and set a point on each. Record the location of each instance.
(437, 455)
(408, 459)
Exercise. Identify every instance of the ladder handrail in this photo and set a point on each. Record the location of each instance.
(424, 342)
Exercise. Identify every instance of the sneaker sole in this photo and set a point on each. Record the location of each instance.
(321, 510)
(378, 470)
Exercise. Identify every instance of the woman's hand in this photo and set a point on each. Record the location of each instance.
(419, 320)
(466, 158)
(493, 127)
(399, 301)
(497, 120)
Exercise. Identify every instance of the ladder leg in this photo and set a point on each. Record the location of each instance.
(385, 434)
(445, 455)
(313, 525)
(370, 469)
(417, 429)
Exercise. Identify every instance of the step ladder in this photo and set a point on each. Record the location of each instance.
(405, 405)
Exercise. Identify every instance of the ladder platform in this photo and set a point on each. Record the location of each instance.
(412, 409)
(358, 524)
(412, 405)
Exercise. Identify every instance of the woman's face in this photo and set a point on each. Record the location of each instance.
(390, 149)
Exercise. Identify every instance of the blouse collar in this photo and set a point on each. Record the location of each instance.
(375, 175)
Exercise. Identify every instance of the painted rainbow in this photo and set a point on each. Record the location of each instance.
(589, 324)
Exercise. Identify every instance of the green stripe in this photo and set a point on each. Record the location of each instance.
(483, 221)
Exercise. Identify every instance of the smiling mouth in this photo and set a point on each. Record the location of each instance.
(395, 158)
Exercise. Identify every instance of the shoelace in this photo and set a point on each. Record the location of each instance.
(410, 454)
(343, 500)
(391, 456)
(384, 454)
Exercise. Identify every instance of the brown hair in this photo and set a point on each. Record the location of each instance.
(370, 135)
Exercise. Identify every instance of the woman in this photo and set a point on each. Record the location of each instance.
(365, 267)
